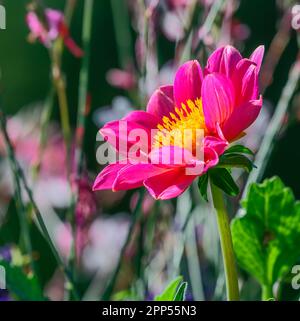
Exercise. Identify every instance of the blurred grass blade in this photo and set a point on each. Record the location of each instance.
(274, 127)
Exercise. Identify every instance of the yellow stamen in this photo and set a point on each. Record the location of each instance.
(180, 128)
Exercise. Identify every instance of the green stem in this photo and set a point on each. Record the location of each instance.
(122, 32)
(81, 115)
(84, 80)
(45, 119)
(21, 209)
(136, 218)
(226, 245)
(267, 293)
(69, 10)
(60, 86)
(208, 23)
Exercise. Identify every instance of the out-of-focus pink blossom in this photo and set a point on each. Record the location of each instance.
(53, 162)
(175, 4)
(147, 204)
(82, 239)
(50, 30)
(64, 239)
(86, 204)
(24, 137)
(239, 31)
(121, 78)
(174, 16)
(167, 73)
(119, 108)
(55, 289)
(172, 26)
(24, 132)
(106, 238)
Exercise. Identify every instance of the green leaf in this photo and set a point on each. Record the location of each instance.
(125, 295)
(266, 239)
(235, 160)
(202, 184)
(222, 179)
(239, 149)
(170, 291)
(24, 287)
(180, 294)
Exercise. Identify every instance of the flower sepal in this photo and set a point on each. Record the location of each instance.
(220, 175)
(235, 160)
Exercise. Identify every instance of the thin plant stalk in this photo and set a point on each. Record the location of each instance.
(19, 176)
(145, 13)
(226, 244)
(84, 80)
(48, 106)
(60, 86)
(82, 102)
(208, 23)
(69, 9)
(216, 7)
(193, 261)
(22, 213)
(122, 32)
(45, 119)
(135, 220)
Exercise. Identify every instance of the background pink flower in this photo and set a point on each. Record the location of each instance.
(48, 32)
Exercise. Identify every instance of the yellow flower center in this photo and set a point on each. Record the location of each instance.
(184, 128)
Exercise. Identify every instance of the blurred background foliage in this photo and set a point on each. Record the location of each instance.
(25, 80)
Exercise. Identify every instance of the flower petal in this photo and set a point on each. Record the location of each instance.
(143, 119)
(171, 156)
(245, 81)
(75, 50)
(257, 56)
(214, 61)
(132, 176)
(169, 184)
(55, 19)
(217, 100)
(161, 103)
(211, 158)
(117, 132)
(223, 60)
(187, 84)
(215, 143)
(107, 177)
(241, 118)
(249, 90)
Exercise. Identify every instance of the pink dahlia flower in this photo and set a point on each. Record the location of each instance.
(53, 28)
(221, 102)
